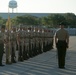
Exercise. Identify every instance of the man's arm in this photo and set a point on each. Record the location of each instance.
(55, 39)
(67, 39)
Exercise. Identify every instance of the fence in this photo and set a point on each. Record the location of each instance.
(71, 31)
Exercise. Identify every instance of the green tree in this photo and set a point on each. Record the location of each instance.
(71, 19)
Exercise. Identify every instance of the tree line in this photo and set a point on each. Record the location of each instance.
(52, 20)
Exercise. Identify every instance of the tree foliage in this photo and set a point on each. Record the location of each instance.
(52, 20)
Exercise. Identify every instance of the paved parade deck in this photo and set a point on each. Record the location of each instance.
(44, 64)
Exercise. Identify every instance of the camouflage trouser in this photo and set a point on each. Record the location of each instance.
(20, 51)
(8, 53)
(1, 52)
(13, 51)
(25, 51)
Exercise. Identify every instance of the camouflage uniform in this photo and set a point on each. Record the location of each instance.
(8, 47)
(2, 37)
(24, 49)
(20, 44)
(40, 41)
(13, 38)
(30, 41)
(26, 43)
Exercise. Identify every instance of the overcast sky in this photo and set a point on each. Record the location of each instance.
(40, 6)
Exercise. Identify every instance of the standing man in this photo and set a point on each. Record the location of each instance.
(20, 44)
(62, 42)
(2, 44)
(7, 46)
(13, 38)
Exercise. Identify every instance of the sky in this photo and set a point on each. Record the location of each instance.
(40, 6)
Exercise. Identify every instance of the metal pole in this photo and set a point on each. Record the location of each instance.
(12, 10)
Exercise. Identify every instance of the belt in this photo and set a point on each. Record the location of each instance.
(61, 41)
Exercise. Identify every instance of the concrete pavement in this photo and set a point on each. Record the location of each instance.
(44, 64)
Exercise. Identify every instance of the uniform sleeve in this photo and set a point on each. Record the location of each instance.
(55, 34)
(67, 37)
(55, 38)
(5, 36)
(67, 34)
